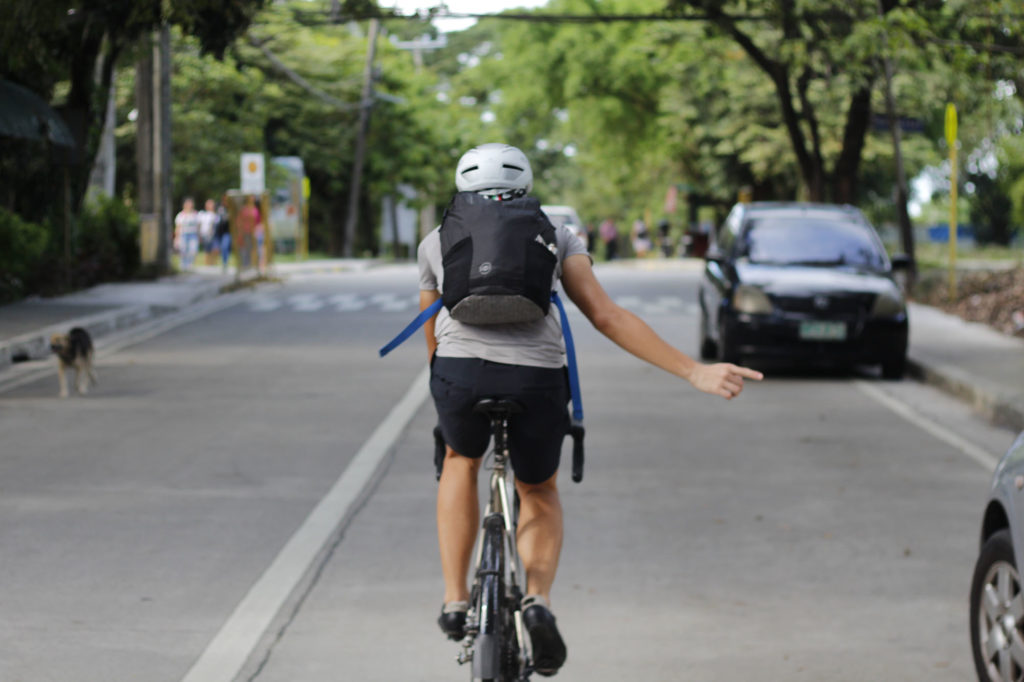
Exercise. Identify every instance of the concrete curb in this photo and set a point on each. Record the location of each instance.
(995, 405)
(35, 345)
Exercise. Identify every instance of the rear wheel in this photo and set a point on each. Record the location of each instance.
(488, 658)
(997, 612)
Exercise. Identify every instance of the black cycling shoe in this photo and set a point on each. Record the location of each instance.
(452, 620)
(548, 647)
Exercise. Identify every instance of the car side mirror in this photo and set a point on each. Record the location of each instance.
(714, 255)
(900, 261)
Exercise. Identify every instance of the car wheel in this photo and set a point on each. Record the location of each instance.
(895, 367)
(708, 348)
(997, 612)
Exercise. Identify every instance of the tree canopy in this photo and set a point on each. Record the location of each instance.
(781, 98)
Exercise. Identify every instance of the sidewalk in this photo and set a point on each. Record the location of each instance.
(970, 360)
(973, 362)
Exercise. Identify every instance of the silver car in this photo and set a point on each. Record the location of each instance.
(997, 598)
(567, 216)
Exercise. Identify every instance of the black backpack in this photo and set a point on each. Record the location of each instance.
(499, 259)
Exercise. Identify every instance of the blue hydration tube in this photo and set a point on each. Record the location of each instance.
(570, 356)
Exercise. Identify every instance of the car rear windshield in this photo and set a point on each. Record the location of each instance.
(811, 241)
(558, 219)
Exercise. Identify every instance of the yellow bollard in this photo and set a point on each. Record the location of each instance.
(951, 124)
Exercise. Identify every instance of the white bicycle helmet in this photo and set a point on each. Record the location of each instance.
(494, 169)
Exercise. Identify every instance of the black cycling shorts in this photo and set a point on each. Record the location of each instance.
(535, 435)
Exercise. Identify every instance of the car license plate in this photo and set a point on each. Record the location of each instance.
(823, 331)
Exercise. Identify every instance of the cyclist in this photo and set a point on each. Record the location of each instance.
(524, 361)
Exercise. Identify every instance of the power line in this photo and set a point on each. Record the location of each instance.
(314, 18)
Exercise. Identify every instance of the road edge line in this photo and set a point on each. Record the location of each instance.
(230, 649)
(964, 446)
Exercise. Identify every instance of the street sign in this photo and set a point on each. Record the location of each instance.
(907, 124)
(253, 174)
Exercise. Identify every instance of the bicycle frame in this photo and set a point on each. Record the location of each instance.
(500, 503)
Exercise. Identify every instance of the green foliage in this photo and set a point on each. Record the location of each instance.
(22, 247)
(106, 246)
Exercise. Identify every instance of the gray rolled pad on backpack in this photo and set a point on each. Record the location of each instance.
(499, 259)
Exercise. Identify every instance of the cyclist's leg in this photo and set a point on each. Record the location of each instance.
(536, 442)
(458, 518)
(466, 433)
(540, 543)
(539, 535)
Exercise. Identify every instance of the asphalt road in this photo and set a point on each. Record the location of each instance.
(803, 531)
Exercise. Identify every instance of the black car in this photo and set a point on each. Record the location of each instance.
(805, 282)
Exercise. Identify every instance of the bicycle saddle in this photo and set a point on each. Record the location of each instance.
(498, 407)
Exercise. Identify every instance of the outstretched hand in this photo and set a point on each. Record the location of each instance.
(724, 378)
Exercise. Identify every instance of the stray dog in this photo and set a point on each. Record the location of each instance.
(74, 351)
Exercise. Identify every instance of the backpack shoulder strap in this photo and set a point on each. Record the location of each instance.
(411, 328)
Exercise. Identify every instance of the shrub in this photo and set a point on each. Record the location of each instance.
(22, 249)
(106, 243)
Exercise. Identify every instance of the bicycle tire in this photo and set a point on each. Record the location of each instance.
(488, 649)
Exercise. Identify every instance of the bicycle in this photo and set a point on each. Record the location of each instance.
(495, 641)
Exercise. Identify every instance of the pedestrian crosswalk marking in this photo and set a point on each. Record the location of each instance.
(408, 304)
(306, 303)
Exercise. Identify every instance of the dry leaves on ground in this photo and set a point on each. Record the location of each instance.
(993, 298)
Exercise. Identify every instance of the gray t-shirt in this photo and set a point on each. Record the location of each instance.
(536, 344)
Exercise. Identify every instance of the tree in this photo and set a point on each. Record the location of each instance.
(80, 43)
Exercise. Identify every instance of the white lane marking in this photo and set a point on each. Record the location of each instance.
(668, 302)
(238, 637)
(391, 303)
(305, 303)
(979, 455)
(344, 303)
(264, 304)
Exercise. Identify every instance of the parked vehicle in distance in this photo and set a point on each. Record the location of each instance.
(997, 601)
(805, 282)
(566, 215)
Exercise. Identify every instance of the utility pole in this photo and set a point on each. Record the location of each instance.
(144, 101)
(103, 176)
(365, 102)
(902, 195)
(162, 140)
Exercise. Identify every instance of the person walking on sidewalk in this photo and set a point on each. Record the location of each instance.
(250, 230)
(186, 228)
(222, 233)
(610, 237)
(207, 221)
(524, 361)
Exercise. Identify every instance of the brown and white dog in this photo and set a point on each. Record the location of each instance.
(74, 351)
